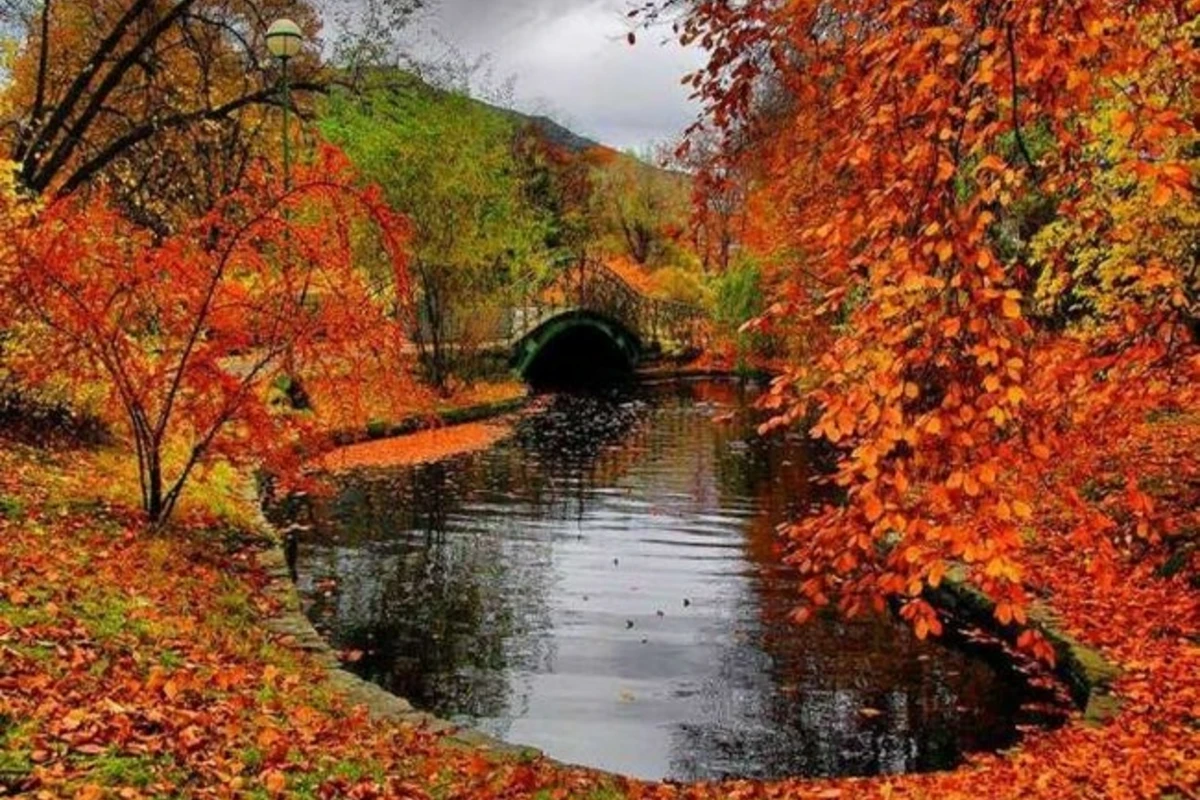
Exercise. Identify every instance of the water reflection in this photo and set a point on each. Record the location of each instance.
(605, 585)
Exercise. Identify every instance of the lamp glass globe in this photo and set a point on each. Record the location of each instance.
(284, 38)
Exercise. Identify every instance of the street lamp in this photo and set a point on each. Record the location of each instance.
(284, 38)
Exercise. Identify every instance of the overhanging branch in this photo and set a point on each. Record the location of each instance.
(115, 148)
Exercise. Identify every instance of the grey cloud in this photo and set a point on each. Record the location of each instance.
(569, 58)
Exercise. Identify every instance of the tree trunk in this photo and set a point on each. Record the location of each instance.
(155, 507)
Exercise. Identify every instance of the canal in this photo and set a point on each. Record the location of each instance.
(606, 586)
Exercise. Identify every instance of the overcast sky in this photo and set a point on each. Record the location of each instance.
(570, 59)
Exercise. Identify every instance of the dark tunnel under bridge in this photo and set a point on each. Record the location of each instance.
(577, 348)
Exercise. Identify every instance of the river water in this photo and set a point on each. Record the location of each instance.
(606, 586)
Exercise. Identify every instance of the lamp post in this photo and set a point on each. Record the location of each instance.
(283, 40)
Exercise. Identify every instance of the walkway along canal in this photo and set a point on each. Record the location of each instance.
(605, 586)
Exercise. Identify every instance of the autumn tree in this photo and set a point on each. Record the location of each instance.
(720, 189)
(903, 150)
(185, 335)
(645, 206)
(165, 102)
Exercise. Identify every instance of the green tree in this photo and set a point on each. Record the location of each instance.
(563, 184)
(449, 164)
(737, 298)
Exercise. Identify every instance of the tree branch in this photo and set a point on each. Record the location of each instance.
(119, 145)
(25, 152)
(1016, 117)
(39, 100)
(42, 178)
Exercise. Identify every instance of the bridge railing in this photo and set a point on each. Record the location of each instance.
(594, 286)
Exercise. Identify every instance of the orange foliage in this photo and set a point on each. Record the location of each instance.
(633, 274)
(416, 448)
(893, 145)
(194, 689)
(138, 666)
(185, 336)
(346, 402)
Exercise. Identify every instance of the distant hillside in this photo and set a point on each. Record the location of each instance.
(573, 142)
(553, 131)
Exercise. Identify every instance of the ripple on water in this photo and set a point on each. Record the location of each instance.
(605, 586)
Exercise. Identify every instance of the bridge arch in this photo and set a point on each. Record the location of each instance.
(579, 346)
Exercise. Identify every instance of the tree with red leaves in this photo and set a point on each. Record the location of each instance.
(188, 337)
(912, 154)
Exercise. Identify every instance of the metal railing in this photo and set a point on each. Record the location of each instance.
(592, 285)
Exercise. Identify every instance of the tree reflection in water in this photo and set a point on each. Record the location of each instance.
(606, 586)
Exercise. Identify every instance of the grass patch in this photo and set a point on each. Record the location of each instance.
(109, 617)
(216, 490)
(23, 616)
(113, 769)
(11, 507)
(601, 793)
(15, 762)
(36, 652)
(170, 660)
(252, 757)
(234, 606)
(15, 765)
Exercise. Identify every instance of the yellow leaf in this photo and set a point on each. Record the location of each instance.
(1162, 195)
(1003, 511)
(275, 782)
(991, 162)
(987, 475)
(1012, 309)
(1022, 509)
(72, 720)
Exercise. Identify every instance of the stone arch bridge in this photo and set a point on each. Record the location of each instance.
(592, 323)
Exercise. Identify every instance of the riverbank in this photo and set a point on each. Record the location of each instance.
(467, 422)
(165, 680)
(480, 402)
